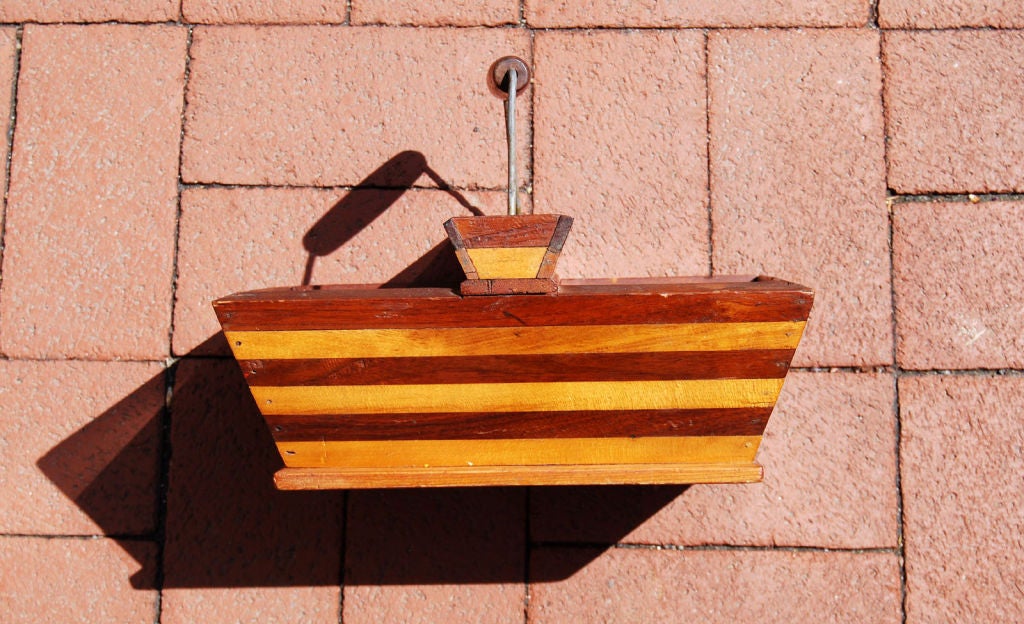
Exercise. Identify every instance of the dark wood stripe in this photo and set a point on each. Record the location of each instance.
(561, 233)
(503, 231)
(509, 286)
(762, 364)
(575, 304)
(547, 264)
(514, 425)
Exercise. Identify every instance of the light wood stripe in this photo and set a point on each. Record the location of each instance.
(508, 262)
(518, 397)
(432, 453)
(369, 343)
(463, 476)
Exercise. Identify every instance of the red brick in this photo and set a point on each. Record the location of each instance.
(325, 106)
(82, 447)
(239, 239)
(264, 12)
(955, 115)
(798, 181)
(629, 585)
(830, 481)
(237, 549)
(621, 145)
(90, 220)
(957, 270)
(949, 13)
(89, 11)
(315, 605)
(77, 580)
(961, 458)
(451, 13)
(452, 555)
(435, 603)
(693, 13)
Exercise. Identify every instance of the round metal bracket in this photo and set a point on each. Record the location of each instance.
(497, 76)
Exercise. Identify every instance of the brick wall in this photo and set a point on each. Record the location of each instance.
(162, 155)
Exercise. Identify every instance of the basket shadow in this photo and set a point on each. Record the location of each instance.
(222, 524)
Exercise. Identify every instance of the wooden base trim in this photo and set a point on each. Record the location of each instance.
(509, 286)
(511, 452)
(598, 474)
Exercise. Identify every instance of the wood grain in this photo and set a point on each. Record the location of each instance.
(518, 397)
(533, 452)
(496, 425)
(466, 263)
(507, 262)
(577, 304)
(467, 476)
(374, 343)
(509, 286)
(502, 230)
(547, 265)
(754, 364)
(607, 381)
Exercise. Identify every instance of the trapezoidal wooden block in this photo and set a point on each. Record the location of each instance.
(602, 382)
(508, 254)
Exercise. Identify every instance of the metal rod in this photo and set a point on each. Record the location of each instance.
(510, 126)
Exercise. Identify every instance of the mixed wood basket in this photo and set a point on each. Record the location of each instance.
(516, 378)
(529, 382)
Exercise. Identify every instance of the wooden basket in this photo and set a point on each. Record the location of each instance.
(667, 380)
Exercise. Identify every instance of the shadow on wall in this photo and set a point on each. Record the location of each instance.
(357, 210)
(224, 524)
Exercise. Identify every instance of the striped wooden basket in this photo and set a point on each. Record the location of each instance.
(604, 381)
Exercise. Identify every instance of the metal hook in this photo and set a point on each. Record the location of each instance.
(508, 77)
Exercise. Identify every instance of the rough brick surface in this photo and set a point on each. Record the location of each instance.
(325, 106)
(621, 146)
(756, 146)
(453, 555)
(90, 220)
(448, 13)
(955, 111)
(88, 11)
(251, 603)
(717, 586)
(238, 549)
(961, 458)
(264, 11)
(830, 469)
(797, 179)
(240, 239)
(690, 13)
(76, 580)
(957, 269)
(949, 13)
(424, 603)
(81, 445)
